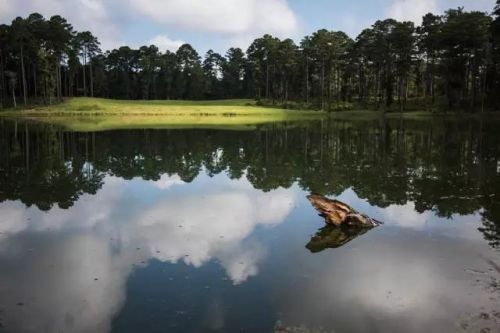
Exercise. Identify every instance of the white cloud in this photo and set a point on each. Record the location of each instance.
(196, 229)
(99, 236)
(217, 226)
(411, 10)
(92, 15)
(167, 181)
(352, 24)
(414, 10)
(223, 16)
(163, 42)
(14, 217)
(406, 216)
(408, 290)
(5, 10)
(238, 19)
(111, 20)
(224, 23)
(59, 286)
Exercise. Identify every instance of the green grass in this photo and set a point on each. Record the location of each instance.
(93, 114)
(97, 114)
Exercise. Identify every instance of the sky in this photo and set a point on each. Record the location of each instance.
(220, 24)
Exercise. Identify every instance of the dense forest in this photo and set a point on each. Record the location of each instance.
(449, 62)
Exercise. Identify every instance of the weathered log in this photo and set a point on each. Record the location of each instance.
(340, 214)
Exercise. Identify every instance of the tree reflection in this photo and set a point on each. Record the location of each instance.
(447, 166)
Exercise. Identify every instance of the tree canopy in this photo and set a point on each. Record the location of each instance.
(451, 61)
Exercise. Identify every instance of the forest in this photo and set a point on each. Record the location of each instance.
(449, 62)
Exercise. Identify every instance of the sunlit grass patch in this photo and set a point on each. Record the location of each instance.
(94, 114)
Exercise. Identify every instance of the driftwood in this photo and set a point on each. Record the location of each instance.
(339, 214)
(343, 224)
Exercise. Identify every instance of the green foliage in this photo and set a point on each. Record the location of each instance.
(390, 66)
(87, 46)
(233, 72)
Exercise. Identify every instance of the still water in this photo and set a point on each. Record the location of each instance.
(211, 231)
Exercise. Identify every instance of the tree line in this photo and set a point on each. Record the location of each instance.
(451, 61)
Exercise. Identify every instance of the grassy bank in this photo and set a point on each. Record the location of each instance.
(93, 114)
(96, 114)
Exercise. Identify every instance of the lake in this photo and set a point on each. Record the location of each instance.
(206, 230)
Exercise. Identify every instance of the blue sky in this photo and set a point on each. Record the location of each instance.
(219, 24)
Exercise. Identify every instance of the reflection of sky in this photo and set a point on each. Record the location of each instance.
(406, 216)
(414, 268)
(128, 223)
(394, 281)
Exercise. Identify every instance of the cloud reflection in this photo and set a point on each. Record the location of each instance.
(370, 287)
(75, 263)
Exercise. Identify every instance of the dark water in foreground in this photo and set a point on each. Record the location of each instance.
(206, 230)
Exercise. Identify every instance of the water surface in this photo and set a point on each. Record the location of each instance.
(210, 230)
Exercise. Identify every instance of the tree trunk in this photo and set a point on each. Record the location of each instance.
(23, 74)
(267, 80)
(323, 84)
(307, 81)
(474, 82)
(76, 84)
(35, 84)
(400, 93)
(433, 97)
(66, 84)
(91, 79)
(407, 88)
(2, 81)
(286, 92)
(58, 79)
(14, 96)
(84, 77)
(379, 88)
(60, 82)
(27, 144)
(44, 88)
